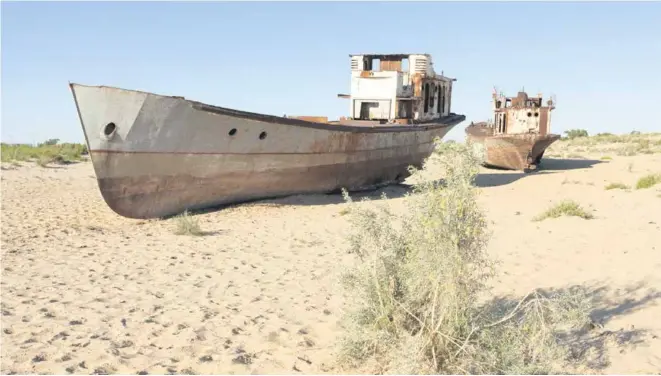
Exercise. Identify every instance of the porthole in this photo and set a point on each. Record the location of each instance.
(109, 129)
(536, 114)
(529, 114)
(262, 135)
(232, 132)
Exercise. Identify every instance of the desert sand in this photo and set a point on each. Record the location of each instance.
(87, 291)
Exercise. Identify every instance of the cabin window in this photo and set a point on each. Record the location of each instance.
(365, 109)
(504, 122)
(501, 122)
(405, 65)
(376, 65)
(404, 110)
(432, 96)
(426, 98)
(443, 100)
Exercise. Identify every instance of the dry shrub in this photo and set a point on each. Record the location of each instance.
(414, 295)
(630, 150)
(616, 186)
(187, 225)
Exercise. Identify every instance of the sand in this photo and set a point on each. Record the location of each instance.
(87, 291)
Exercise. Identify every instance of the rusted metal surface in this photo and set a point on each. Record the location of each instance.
(417, 85)
(519, 134)
(316, 119)
(544, 120)
(391, 65)
(163, 155)
(512, 151)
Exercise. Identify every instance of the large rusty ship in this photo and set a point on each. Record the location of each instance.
(519, 134)
(157, 155)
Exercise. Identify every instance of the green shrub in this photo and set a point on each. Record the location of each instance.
(44, 153)
(575, 133)
(49, 142)
(648, 181)
(565, 208)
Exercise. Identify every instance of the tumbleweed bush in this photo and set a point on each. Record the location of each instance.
(187, 225)
(414, 294)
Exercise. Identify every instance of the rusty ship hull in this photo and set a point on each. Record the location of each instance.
(522, 152)
(156, 156)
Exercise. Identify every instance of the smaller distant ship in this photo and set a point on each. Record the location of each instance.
(519, 134)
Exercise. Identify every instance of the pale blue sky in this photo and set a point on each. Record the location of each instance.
(601, 60)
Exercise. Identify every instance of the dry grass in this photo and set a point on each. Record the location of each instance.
(415, 291)
(187, 225)
(564, 208)
(344, 211)
(567, 181)
(648, 181)
(616, 186)
(44, 153)
(605, 143)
